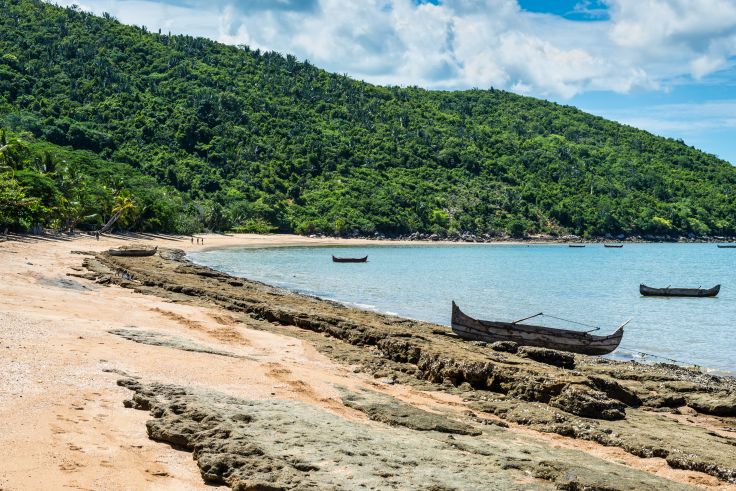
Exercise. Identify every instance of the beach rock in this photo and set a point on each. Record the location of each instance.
(548, 356)
(615, 390)
(386, 409)
(717, 404)
(588, 403)
(160, 339)
(505, 346)
(516, 388)
(288, 445)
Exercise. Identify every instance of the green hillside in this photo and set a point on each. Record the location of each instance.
(194, 134)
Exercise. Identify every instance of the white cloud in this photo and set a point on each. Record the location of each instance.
(467, 43)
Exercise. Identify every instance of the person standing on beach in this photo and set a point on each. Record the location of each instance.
(97, 235)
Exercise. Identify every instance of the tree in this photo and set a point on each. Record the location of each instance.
(123, 203)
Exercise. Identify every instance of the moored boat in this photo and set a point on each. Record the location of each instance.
(575, 245)
(132, 251)
(613, 246)
(648, 291)
(530, 335)
(349, 259)
(727, 246)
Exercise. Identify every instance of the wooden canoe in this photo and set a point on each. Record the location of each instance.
(349, 259)
(613, 246)
(575, 245)
(133, 251)
(727, 246)
(648, 291)
(529, 335)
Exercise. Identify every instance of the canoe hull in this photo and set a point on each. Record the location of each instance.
(349, 259)
(613, 246)
(528, 335)
(132, 252)
(648, 291)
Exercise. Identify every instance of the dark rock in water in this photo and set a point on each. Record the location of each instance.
(588, 403)
(505, 346)
(717, 404)
(548, 356)
(391, 411)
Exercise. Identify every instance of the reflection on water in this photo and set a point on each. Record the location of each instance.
(594, 285)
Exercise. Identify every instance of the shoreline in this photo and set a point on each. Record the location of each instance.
(70, 333)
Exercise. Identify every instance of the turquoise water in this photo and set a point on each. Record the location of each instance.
(592, 285)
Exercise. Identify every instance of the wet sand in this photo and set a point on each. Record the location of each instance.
(63, 423)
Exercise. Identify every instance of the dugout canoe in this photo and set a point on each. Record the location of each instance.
(349, 259)
(575, 245)
(613, 246)
(727, 246)
(584, 343)
(648, 291)
(133, 251)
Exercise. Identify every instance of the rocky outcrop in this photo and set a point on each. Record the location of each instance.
(596, 399)
(548, 356)
(286, 445)
(389, 410)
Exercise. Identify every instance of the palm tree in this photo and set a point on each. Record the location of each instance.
(11, 151)
(123, 203)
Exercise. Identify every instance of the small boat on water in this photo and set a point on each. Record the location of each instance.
(133, 251)
(648, 291)
(575, 245)
(727, 246)
(613, 246)
(530, 335)
(349, 259)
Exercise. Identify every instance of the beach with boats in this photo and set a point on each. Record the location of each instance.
(259, 366)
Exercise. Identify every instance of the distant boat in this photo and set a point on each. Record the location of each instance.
(529, 335)
(132, 251)
(613, 246)
(575, 245)
(349, 259)
(727, 246)
(679, 292)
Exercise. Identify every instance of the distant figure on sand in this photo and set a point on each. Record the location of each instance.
(97, 235)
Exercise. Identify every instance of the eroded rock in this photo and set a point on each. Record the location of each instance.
(286, 445)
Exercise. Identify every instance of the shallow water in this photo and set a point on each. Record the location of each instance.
(592, 285)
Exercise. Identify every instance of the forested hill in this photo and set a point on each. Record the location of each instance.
(186, 134)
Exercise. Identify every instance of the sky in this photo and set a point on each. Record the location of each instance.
(666, 66)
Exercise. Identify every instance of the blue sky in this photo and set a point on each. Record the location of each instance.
(667, 66)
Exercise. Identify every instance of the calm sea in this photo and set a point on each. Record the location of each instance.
(592, 285)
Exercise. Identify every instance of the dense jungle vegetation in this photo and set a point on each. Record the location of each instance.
(181, 134)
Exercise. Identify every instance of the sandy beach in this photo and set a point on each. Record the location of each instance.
(67, 340)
